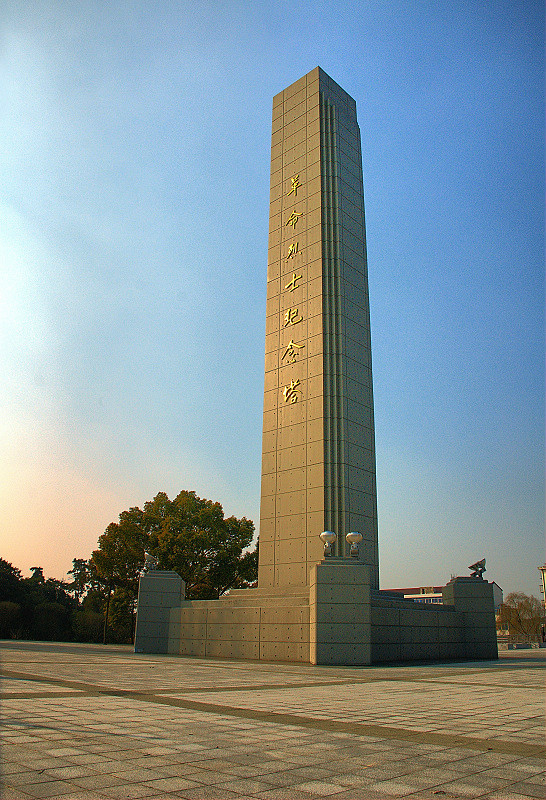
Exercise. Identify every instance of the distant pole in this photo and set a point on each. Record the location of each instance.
(106, 615)
(542, 571)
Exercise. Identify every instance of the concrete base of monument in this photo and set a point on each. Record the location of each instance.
(336, 620)
(160, 592)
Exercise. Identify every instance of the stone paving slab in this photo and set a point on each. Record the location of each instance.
(88, 721)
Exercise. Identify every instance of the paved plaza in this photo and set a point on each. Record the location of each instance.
(88, 721)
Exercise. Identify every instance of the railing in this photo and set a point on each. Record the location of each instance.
(516, 641)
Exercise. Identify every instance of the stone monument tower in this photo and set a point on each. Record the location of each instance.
(318, 471)
(318, 466)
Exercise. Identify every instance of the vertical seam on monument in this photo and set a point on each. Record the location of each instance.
(306, 439)
(328, 521)
(339, 355)
(333, 360)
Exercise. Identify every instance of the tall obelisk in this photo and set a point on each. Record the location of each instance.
(318, 467)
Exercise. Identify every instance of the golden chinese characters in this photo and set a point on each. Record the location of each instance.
(294, 217)
(292, 317)
(291, 392)
(293, 284)
(295, 185)
(292, 251)
(291, 352)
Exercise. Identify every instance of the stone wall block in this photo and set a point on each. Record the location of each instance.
(418, 617)
(418, 634)
(451, 634)
(190, 630)
(479, 619)
(339, 626)
(153, 615)
(229, 616)
(151, 644)
(276, 614)
(385, 634)
(338, 593)
(341, 632)
(354, 613)
(284, 651)
(189, 647)
(191, 613)
(341, 572)
(159, 593)
(452, 650)
(482, 650)
(448, 618)
(382, 652)
(297, 634)
(244, 631)
(417, 651)
(480, 634)
(381, 617)
(234, 649)
(473, 598)
(350, 654)
(469, 594)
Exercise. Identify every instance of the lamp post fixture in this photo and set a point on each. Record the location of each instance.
(354, 538)
(328, 537)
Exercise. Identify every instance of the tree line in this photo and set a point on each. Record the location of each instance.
(522, 618)
(188, 535)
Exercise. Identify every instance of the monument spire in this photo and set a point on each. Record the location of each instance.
(317, 598)
(318, 466)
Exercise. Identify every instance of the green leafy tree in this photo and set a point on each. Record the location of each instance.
(87, 625)
(34, 607)
(123, 615)
(82, 578)
(89, 618)
(51, 622)
(51, 590)
(188, 535)
(117, 562)
(120, 555)
(11, 620)
(11, 582)
(47, 607)
(249, 566)
(192, 537)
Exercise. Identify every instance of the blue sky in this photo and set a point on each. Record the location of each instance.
(134, 182)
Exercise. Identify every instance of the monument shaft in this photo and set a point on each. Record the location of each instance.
(318, 439)
(318, 466)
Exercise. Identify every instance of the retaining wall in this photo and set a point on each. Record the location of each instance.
(339, 619)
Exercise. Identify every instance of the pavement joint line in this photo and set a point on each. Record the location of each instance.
(40, 695)
(519, 686)
(280, 718)
(267, 686)
(440, 669)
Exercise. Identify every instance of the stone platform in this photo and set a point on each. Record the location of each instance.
(338, 619)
